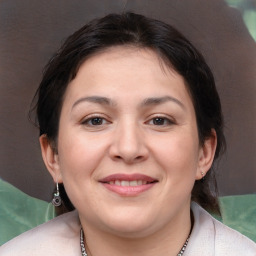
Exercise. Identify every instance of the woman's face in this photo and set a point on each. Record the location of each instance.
(128, 147)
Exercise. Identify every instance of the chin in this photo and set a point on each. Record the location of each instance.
(129, 226)
(130, 231)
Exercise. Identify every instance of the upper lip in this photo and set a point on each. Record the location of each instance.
(128, 177)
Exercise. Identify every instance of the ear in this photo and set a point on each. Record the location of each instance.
(206, 155)
(51, 158)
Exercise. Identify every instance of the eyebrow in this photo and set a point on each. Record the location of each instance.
(147, 102)
(94, 99)
(161, 100)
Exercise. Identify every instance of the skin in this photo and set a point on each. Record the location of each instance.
(125, 137)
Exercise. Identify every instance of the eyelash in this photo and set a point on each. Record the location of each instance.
(166, 121)
(99, 121)
(162, 121)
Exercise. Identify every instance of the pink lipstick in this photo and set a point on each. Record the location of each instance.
(128, 184)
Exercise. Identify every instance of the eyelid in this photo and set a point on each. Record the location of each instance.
(170, 119)
(86, 119)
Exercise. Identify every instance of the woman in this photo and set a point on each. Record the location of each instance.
(130, 123)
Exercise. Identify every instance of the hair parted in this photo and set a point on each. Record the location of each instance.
(142, 32)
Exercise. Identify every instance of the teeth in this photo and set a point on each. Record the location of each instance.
(133, 183)
(117, 182)
(126, 183)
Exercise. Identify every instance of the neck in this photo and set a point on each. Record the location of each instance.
(167, 241)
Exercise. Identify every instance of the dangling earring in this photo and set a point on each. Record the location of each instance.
(56, 201)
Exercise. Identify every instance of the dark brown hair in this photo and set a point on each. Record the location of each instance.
(142, 32)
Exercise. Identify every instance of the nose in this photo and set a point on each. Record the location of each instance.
(128, 144)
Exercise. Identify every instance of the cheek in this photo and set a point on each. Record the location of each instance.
(79, 155)
(177, 155)
(79, 160)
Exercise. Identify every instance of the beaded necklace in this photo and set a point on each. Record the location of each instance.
(84, 253)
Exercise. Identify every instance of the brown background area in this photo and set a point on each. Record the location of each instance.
(30, 32)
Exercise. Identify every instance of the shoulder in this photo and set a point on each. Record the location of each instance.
(215, 238)
(232, 241)
(61, 232)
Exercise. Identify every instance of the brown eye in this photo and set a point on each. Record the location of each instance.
(94, 121)
(158, 121)
(161, 121)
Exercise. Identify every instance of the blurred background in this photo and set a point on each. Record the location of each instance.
(31, 31)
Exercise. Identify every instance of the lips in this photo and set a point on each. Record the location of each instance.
(128, 185)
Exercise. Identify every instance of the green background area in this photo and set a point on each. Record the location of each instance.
(248, 11)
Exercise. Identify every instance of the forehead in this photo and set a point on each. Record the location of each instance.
(125, 55)
(126, 69)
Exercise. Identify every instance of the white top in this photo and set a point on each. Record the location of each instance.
(60, 237)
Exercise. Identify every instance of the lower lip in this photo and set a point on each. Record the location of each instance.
(128, 190)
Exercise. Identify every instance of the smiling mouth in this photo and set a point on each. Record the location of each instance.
(128, 185)
(132, 183)
(128, 180)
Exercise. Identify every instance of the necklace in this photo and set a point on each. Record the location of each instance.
(84, 253)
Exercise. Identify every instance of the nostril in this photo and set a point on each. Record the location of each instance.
(138, 158)
(129, 159)
(117, 157)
